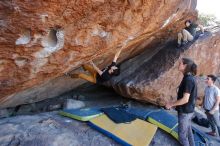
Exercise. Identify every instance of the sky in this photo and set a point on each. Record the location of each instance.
(209, 7)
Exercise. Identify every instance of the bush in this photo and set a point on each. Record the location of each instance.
(208, 20)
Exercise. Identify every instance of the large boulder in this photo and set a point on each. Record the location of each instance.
(154, 77)
(41, 40)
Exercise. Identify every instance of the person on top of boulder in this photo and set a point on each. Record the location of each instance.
(188, 33)
(97, 75)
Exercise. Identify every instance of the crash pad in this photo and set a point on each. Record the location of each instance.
(137, 132)
(169, 123)
(118, 115)
(83, 114)
(165, 121)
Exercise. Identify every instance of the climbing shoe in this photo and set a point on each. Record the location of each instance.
(179, 45)
(184, 43)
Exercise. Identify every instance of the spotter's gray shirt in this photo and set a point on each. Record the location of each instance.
(211, 94)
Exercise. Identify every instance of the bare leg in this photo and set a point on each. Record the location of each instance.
(180, 37)
(187, 36)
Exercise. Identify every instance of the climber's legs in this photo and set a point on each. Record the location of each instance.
(90, 78)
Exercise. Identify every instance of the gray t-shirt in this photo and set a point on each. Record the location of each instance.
(211, 92)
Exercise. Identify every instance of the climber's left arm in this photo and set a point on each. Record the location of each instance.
(201, 28)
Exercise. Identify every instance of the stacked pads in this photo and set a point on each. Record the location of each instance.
(131, 126)
(125, 129)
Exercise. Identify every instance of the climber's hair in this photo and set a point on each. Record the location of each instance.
(117, 71)
(191, 67)
(188, 21)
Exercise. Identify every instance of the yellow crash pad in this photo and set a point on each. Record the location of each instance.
(137, 133)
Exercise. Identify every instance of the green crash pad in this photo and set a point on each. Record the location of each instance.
(84, 114)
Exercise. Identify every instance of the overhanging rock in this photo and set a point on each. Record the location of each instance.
(155, 78)
(41, 40)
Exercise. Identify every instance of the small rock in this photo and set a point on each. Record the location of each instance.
(54, 107)
(73, 104)
(79, 97)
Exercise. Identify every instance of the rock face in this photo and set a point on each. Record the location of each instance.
(155, 78)
(41, 40)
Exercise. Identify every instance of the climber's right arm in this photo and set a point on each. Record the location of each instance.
(117, 55)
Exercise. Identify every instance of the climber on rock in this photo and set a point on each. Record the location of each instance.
(97, 75)
(188, 33)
